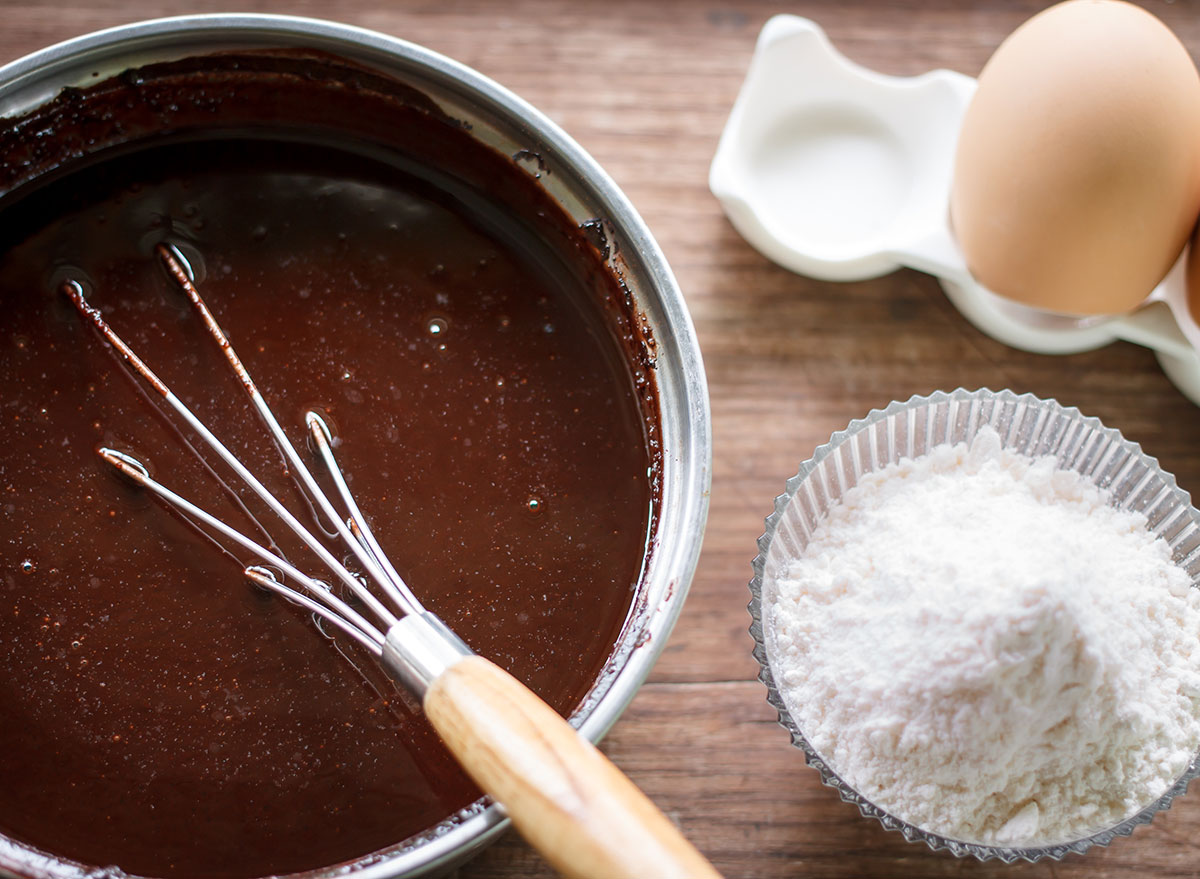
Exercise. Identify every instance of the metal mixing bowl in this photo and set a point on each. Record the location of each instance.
(508, 124)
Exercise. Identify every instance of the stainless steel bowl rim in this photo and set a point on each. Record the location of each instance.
(812, 757)
(685, 415)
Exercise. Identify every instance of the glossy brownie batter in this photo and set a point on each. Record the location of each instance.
(157, 712)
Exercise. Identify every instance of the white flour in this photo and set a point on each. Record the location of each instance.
(980, 646)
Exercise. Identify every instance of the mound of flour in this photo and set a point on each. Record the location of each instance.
(979, 645)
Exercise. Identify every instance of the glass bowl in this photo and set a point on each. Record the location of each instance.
(1026, 424)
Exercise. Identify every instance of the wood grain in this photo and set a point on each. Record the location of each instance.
(563, 796)
(646, 88)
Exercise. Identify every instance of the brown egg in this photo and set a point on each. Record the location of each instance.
(1077, 178)
(1193, 280)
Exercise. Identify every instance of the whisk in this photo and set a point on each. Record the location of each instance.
(562, 794)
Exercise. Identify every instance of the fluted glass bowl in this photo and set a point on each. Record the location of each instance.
(1027, 425)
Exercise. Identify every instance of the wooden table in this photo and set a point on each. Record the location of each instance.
(646, 87)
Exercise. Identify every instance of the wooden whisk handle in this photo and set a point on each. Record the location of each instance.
(563, 795)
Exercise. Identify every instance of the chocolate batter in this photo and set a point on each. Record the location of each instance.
(157, 712)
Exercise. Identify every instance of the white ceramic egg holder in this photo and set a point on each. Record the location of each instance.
(841, 173)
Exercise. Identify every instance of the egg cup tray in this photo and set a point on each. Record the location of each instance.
(843, 174)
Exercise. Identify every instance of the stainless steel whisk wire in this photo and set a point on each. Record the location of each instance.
(356, 533)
